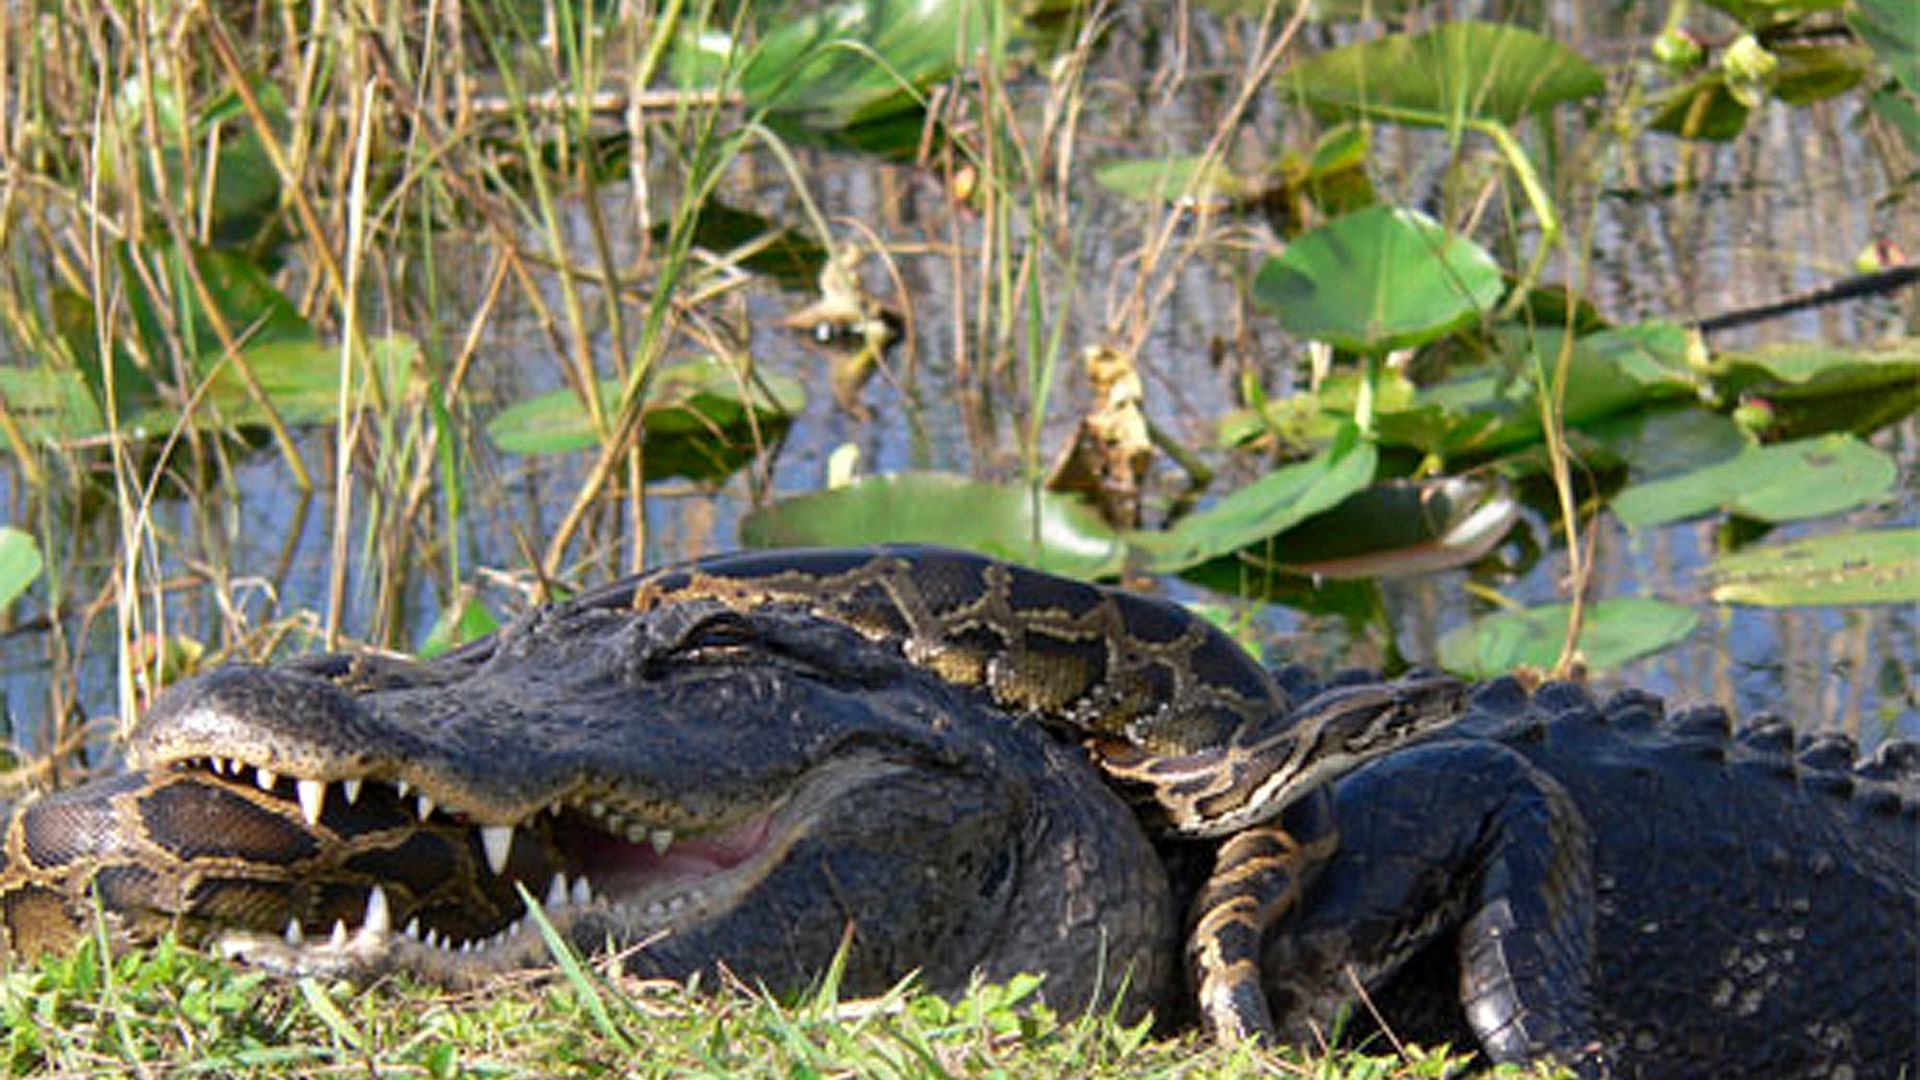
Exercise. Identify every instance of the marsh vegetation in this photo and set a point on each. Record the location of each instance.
(1387, 332)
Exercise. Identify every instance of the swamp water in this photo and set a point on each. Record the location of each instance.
(1678, 230)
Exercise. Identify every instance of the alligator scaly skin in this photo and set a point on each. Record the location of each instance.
(928, 775)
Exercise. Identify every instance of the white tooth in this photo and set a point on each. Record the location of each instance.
(266, 778)
(401, 787)
(496, 839)
(432, 939)
(379, 917)
(582, 890)
(293, 934)
(339, 938)
(426, 807)
(351, 789)
(556, 891)
(661, 839)
(413, 928)
(313, 798)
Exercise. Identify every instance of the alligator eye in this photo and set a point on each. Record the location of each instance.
(711, 636)
(722, 631)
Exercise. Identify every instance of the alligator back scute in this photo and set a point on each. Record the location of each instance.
(1635, 709)
(1783, 879)
(1755, 897)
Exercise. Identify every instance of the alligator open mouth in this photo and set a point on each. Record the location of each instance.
(391, 878)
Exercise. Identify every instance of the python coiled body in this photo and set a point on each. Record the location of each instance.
(957, 766)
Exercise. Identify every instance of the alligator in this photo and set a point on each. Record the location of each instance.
(913, 760)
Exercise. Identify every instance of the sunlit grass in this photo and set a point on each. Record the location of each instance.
(175, 1012)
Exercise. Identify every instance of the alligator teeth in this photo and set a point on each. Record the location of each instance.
(351, 789)
(413, 928)
(426, 806)
(339, 938)
(556, 891)
(661, 839)
(313, 798)
(379, 917)
(266, 778)
(293, 933)
(401, 787)
(582, 890)
(496, 839)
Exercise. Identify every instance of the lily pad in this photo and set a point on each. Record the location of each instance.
(1268, 506)
(1808, 388)
(55, 405)
(760, 245)
(701, 419)
(20, 563)
(1168, 179)
(1759, 14)
(466, 619)
(216, 142)
(1705, 107)
(1881, 567)
(1395, 529)
(1378, 279)
(843, 64)
(1040, 528)
(1658, 442)
(1614, 631)
(1454, 74)
(1890, 30)
(243, 297)
(1784, 482)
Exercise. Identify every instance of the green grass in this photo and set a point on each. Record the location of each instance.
(172, 1011)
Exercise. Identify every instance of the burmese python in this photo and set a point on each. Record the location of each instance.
(1197, 735)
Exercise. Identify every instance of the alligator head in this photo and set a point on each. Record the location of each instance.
(699, 786)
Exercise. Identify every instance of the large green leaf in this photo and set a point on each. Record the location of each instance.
(20, 563)
(1653, 443)
(1494, 408)
(1808, 388)
(844, 63)
(1035, 527)
(1783, 482)
(1393, 529)
(702, 418)
(215, 164)
(1850, 568)
(1614, 631)
(300, 379)
(1264, 508)
(1454, 74)
(1759, 14)
(1168, 179)
(171, 313)
(1378, 279)
(1892, 30)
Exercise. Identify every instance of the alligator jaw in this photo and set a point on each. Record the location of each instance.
(594, 870)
